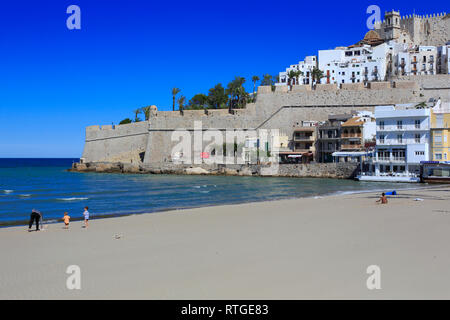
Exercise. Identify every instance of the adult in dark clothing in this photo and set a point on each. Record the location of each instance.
(35, 216)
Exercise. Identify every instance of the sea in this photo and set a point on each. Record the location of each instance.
(46, 185)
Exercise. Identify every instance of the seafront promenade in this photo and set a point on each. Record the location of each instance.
(290, 249)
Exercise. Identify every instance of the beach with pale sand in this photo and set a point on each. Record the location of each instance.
(308, 248)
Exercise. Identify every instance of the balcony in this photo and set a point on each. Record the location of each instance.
(351, 135)
(303, 138)
(392, 159)
(351, 146)
(302, 150)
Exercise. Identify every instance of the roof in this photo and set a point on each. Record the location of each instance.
(371, 38)
(353, 122)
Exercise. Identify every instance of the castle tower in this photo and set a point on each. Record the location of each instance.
(392, 28)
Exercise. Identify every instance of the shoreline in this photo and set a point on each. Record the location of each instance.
(21, 223)
(287, 249)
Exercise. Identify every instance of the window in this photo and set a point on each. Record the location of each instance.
(438, 139)
(381, 138)
(381, 125)
(399, 124)
(400, 138)
(417, 124)
(439, 120)
(420, 153)
(417, 138)
(438, 156)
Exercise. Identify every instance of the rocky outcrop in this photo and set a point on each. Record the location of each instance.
(312, 170)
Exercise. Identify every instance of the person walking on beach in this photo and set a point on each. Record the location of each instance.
(383, 199)
(86, 217)
(35, 216)
(66, 219)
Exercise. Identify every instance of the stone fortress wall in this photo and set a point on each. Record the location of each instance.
(121, 143)
(426, 30)
(150, 142)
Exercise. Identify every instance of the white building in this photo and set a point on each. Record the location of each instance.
(443, 59)
(305, 67)
(355, 64)
(421, 60)
(402, 142)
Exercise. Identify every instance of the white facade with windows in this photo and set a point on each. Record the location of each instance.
(402, 140)
(305, 67)
(443, 59)
(421, 60)
(357, 64)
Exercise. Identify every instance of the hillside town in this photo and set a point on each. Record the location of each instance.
(391, 143)
(381, 103)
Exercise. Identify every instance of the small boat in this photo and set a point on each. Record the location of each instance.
(408, 178)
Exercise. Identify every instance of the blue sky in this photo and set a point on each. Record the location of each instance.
(128, 54)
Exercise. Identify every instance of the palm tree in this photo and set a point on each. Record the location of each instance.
(421, 105)
(175, 91)
(317, 74)
(298, 74)
(267, 80)
(181, 100)
(254, 79)
(146, 112)
(136, 115)
(291, 75)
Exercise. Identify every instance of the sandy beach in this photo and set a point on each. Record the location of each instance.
(310, 248)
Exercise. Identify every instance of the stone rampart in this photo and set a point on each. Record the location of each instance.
(279, 109)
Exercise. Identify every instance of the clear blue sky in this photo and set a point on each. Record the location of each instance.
(128, 54)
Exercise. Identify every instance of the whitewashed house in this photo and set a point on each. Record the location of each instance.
(305, 67)
(402, 142)
(356, 64)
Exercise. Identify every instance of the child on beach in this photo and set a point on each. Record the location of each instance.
(66, 219)
(86, 217)
(383, 199)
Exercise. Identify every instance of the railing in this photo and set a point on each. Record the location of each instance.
(349, 135)
(303, 150)
(299, 138)
(391, 159)
(351, 146)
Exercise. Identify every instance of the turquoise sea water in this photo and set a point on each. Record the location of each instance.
(45, 184)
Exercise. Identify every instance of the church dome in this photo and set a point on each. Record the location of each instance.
(372, 35)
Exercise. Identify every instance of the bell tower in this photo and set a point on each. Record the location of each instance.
(392, 28)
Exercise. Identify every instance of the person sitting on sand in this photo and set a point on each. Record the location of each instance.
(35, 216)
(383, 199)
(86, 217)
(66, 219)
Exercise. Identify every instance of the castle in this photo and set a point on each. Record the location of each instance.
(285, 108)
(428, 30)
